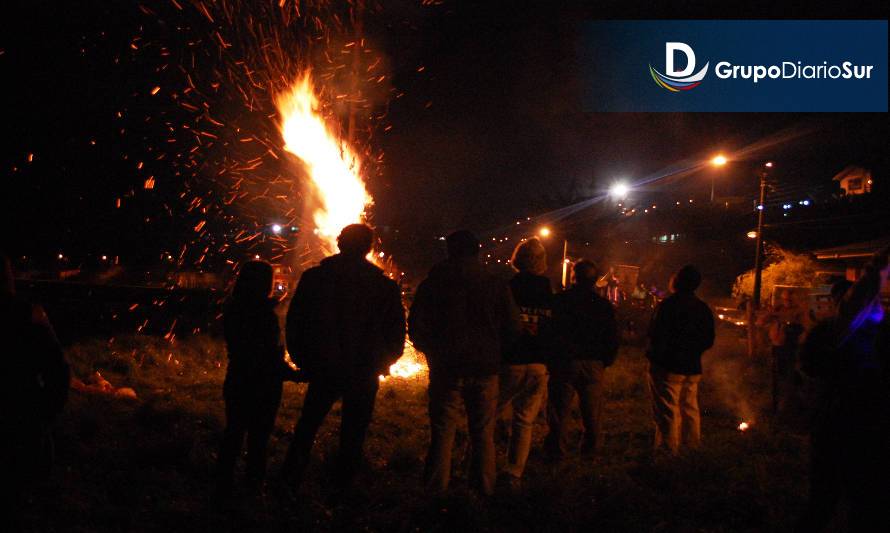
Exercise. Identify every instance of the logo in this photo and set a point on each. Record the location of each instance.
(678, 80)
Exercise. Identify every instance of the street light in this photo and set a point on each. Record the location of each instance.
(276, 228)
(545, 232)
(719, 160)
(619, 190)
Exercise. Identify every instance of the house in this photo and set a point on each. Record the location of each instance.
(854, 180)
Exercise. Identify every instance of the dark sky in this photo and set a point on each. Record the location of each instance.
(482, 110)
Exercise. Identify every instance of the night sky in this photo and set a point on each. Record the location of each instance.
(477, 121)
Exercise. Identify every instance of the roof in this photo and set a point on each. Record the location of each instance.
(852, 171)
(854, 250)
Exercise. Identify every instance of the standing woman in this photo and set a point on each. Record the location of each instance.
(523, 380)
(254, 377)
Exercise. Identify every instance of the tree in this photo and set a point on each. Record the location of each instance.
(782, 268)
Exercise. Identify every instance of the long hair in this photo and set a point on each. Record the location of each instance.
(254, 283)
(530, 256)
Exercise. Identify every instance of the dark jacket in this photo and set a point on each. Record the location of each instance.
(346, 318)
(462, 318)
(253, 344)
(583, 327)
(533, 295)
(36, 375)
(682, 328)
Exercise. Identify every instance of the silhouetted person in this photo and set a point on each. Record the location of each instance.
(585, 343)
(254, 376)
(682, 328)
(34, 391)
(523, 380)
(462, 318)
(819, 367)
(786, 323)
(852, 436)
(345, 327)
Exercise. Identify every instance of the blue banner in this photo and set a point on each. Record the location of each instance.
(735, 65)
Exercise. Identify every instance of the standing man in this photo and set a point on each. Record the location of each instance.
(462, 318)
(345, 327)
(682, 328)
(585, 343)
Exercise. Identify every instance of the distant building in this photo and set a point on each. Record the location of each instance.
(854, 180)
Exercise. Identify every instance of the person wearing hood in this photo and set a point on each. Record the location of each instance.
(462, 319)
(584, 336)
(345, 327)
(254, 376)
(682, 328)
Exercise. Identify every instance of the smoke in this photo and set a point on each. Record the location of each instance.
(734, 380)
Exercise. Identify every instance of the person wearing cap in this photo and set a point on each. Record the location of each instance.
(682, 328)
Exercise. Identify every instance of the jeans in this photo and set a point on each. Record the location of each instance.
(675, 409)
(358, 395)
(583, 377)
(523, 387)
(479, 396)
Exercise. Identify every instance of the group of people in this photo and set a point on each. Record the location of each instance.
(494, 347)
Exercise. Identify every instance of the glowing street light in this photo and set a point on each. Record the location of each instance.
(276, 228)
(544, 232)
(619, 190)
(751, 234)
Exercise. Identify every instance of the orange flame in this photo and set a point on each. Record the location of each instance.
(335, 172)
(333, 166)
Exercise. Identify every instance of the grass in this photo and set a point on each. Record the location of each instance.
(147, 464)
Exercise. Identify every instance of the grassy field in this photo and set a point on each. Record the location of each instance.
(147, 464)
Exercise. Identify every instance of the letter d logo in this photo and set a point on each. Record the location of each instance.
(669, 50)
(678, 80)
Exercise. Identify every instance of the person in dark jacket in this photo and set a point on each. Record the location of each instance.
(584, 343)
(852, 432)
(682, 328)
(819, 368)
(254, 376)
(462, 318)
(35, 389)
(523, 379)
(345, 327)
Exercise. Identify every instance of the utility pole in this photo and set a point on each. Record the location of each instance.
(754, 304)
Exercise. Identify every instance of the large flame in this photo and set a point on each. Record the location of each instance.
(335, 172)
(331, 163)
